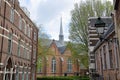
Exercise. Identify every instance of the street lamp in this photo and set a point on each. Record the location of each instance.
(100, 25)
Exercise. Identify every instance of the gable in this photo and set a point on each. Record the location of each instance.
(54, 49)
(67, 52)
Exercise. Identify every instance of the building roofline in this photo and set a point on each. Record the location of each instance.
(97, 17)
(20, 8)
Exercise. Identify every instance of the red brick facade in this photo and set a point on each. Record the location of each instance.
(107, 58)
(61, 63)
(18, 43)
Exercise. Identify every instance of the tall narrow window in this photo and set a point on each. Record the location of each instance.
(26, 56)
(29, 55)
(27, 75)
(29, 31)
(20, 23)
(12, 15)
(25, 51)
(33, 76)
(25, 29)
(116, 53)
(53, 65)
(111, 58)
(17, 74)
(101, 61)
(40, 65)
(35, 36)
(18, 48)
(10, 44)
(23, 75)
(69, 65)
(34, 55)
(104, 52)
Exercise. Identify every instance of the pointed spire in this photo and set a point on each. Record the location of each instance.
(61, 36)
(61, 29)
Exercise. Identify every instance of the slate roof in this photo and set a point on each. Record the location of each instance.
(107, 20)
(61, 46)
(110, 30)
(62, 49)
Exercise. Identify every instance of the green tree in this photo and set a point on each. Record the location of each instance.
(79, 20)
(42, 46)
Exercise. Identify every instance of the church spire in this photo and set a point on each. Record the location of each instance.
(61, 36)
(61, 29)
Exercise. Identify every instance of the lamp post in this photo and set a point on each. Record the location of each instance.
(100, 25)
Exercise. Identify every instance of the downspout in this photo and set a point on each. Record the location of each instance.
(3, 31)
(36, 53)
(1, 52)
(32, 55)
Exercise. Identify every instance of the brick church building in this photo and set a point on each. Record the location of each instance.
(18, 42)
(59, 61)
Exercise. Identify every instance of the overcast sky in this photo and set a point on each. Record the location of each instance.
(48, 13)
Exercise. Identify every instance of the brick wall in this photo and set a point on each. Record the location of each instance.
(27, 41)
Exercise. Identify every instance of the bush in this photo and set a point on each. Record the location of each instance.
(63, 78)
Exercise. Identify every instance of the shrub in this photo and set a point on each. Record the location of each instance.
(63, 78)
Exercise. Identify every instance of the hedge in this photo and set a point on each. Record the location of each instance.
(63, 78)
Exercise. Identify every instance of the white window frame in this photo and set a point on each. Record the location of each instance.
(53, 65)
(23, 75)
(28, 28)
(27, 75)
(40, 67)
(10, 43)
(19, 46)
(25, 50)
(29, 31)
(69, 65)
(34, 53)
(20, 23)
(35, 36)
(25, 29)
(12, 15)
(17, 73)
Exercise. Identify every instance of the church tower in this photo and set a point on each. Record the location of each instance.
(61, 36)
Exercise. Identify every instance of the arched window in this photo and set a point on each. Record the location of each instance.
(69, 65)
(12, 15)
(18, 51)
(53, 65)
(25, 51)
(39, 65)
(20, 23)
(25, 27)
(10, 43)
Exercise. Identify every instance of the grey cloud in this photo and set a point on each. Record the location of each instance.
(49, 9)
